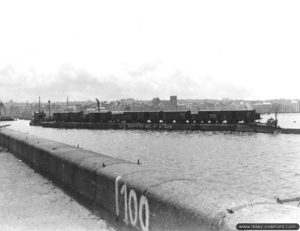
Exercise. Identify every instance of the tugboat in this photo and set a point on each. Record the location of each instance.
(271, 126)
(273, 122)
(37, 118)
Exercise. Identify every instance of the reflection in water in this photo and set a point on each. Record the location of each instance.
(259, 164)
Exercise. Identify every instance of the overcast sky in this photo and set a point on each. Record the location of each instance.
(142, 49)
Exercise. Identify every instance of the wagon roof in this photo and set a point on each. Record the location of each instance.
(70, 112)
(99, 112)
(226, 110)
(175, 111)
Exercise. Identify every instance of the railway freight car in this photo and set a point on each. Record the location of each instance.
(248, 116)
(116, 116)
(99, 117)
(206, 116)
(230, 117)
(76, 116)
(135, 117)
(213, 116)
(179, 117)
(143, 117)
(155, 116)
(176, 116)
(226, 116)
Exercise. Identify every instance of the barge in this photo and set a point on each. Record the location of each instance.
(256, 128)
(224, 121)
(163, 126)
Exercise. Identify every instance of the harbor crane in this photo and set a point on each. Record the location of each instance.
(98, 105)
(3, 108)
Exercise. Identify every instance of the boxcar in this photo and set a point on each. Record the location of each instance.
(135, 116)
(100, 117)
(195, 118)
(177, 116)
(75, 116)
(56, 116)
(203, 116)
(248, 116)
(85, 117)
(141, 117)
(116, 116)
(213, 116)
(155, 116)
(225, 116)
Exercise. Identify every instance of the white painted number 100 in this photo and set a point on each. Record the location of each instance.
(136, 211)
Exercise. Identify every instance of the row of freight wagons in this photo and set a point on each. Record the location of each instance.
(247, 116)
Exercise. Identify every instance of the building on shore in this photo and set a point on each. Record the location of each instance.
(168, 105)
(292, 106)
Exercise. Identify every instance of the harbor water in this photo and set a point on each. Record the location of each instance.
(266, 165)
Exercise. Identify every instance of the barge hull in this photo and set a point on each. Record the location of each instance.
(290, 131)
(176, 127)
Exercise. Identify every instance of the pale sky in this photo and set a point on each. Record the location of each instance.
(144, 49)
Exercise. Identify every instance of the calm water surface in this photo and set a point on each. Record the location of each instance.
(260, 164)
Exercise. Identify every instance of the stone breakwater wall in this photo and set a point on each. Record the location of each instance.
(139, 197)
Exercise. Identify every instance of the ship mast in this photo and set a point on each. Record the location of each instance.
(2, 105)
(39, 104)
(67, 103)
(276, 121)
(49, 106)
(98, 105)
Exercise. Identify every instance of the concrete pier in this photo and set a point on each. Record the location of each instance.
(29, 202)
(142, 198)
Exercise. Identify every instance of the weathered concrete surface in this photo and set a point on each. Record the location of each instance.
(263, 213)
(30, 202)
(139, 197)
